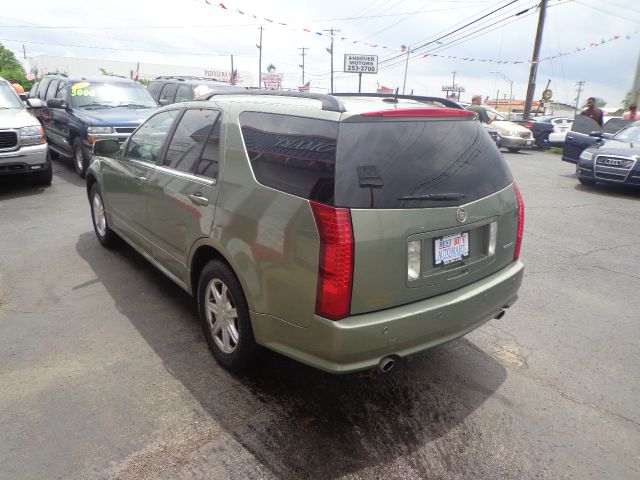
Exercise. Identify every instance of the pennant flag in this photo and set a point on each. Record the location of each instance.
(383, 89)
(305, 87)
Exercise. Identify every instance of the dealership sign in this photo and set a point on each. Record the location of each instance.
(354, 63)
(272, 81)
(223, 76)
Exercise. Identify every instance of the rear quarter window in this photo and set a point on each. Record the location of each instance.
(292, 154)
(399, 164)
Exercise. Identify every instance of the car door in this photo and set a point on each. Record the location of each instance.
(578, 138)
(60, 120)
(183, 189)
(124, 178)
(48, 114)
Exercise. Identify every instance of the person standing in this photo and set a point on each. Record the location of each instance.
(632, 113)
(16, 86)
(477, 107)
(592, 111)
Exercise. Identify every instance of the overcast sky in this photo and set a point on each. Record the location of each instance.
(194, 33)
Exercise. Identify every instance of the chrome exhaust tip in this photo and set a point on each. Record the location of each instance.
(386, 364)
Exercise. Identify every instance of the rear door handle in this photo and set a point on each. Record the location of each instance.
(140, 179)
(198, 199)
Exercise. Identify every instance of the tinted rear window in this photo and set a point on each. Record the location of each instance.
(387, 164)
(292, 154)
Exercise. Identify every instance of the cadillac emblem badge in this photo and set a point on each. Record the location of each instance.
(461, 215)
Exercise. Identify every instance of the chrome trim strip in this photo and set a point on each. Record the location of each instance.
(188, 176)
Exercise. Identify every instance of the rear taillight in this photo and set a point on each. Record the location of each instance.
(335, 267)
(528, 124)
(516, 252)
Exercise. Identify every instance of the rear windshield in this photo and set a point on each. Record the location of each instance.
(416, 164)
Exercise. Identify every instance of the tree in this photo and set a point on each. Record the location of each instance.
(627, 99)
(11, 68)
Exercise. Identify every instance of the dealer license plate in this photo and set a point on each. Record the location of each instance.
(528, 143)
(451, 248)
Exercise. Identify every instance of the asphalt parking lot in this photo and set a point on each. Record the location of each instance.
(104, 371)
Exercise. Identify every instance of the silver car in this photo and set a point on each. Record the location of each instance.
(23, 147)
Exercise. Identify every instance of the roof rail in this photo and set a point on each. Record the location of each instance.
(444, 101)
(328, 102)
(186, 77)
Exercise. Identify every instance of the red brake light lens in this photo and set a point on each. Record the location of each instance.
(516, 252)
(335, 266)
(421, 112)
(528, 124)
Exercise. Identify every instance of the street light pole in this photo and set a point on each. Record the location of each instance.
(406, 66)
(510, 82)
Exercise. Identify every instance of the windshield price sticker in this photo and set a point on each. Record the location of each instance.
(451, 248)
(80, 90)
(360, 63)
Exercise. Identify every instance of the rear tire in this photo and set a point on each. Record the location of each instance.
(80, 163)
(513, 149)
(44, 177)
(225, 317)
(106, 236)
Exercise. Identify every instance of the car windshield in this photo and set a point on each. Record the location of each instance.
(498, 115)
(629, 134)
(116, 94)
(8, 98)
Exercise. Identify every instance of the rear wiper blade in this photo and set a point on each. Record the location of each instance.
(435, 196)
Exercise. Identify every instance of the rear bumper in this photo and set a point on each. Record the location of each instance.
(359, 342)
(516, 142)
(27, 159)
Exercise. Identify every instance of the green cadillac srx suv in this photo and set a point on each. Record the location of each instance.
(344, 231)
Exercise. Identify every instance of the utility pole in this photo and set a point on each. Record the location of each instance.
(302, 66)
(406, 66)
(24, 52)
(260, 61)
(231, 77)
(453, 84)
(636, 84)
(534, 61)
(580, 84)
(331, 52)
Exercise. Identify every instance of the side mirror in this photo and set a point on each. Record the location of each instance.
(106, 148)
(34, 103)
(595, 134)
(163, 101)
(55, 103)
(23, 96)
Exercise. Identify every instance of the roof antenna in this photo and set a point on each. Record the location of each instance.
(396, 95)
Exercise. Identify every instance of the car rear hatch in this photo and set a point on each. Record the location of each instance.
(431, 200)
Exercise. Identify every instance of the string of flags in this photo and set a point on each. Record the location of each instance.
(403, 48)
(551, 57)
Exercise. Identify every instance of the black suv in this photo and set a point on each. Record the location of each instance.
(167, 90)
(82, 109)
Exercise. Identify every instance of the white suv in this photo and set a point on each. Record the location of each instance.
(23, 147)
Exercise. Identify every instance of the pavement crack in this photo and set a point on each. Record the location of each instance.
(616, 272)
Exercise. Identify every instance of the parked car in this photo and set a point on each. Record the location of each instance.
(23, 147)
(343, 232)
(580, 136)
(80, 110)
(615, 160)
(548, 130)
(513, 137)
(168, 90)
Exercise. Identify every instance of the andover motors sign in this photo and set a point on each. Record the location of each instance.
(354, 63)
